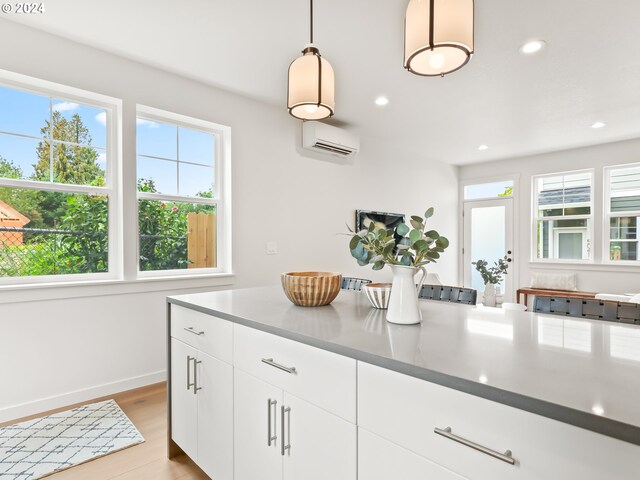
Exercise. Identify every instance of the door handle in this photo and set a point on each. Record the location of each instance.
(193, 330)
(195, 376)
(269, 361)
(507, 456)
(270, 438)
(189, 384)
(285, 411)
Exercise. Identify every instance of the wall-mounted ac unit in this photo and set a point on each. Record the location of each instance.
(324, 138)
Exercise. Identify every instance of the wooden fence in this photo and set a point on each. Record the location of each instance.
(201, 240)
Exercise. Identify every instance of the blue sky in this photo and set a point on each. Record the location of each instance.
(486, 190)
(26, 113)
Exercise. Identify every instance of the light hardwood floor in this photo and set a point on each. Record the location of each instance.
(147, 409)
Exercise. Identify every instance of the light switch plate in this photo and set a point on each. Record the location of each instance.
(272, 248)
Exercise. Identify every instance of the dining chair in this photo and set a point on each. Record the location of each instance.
(622, 312)
(444, 293)
(353, 283)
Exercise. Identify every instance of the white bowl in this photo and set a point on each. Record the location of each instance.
(378, 294)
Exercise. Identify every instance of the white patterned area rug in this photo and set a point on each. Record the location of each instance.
(41, 447)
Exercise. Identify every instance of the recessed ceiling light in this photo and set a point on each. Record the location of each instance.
(483, 147)
(382, 101)
(598, 125)
(597, 409)
(483, 379)
(533, 46)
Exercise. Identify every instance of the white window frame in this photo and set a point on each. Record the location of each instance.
(113, 185)
(608, 215)
(535, 217)
(221, 199)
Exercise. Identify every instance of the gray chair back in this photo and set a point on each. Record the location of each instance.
(622, 312)
(353, 283)
(444, 293)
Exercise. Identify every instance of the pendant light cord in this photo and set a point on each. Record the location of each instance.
(311, 20)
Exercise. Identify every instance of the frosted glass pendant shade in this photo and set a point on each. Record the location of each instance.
(311, 93)
(438, 36)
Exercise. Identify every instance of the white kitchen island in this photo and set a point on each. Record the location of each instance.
(261, 389)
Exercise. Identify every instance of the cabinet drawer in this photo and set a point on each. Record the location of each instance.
(379, 459)
(207, 333)
(405, 410)
(322, 378)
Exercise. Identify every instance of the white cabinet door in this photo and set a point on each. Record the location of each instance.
(215, 420)
(379, 459)
(184, 406)
(255, 403)
(321, 445)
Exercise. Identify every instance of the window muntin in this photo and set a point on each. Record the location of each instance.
(55, 186)
(180, 160)
(178, 199)
(622, 207)
(563, 216)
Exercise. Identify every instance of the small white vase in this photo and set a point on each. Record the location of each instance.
(489, 296)
(404, 308)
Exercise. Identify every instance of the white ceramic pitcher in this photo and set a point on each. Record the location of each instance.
(404, 308)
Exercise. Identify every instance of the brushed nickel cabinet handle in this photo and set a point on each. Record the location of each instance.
(195, 376)
(270, 438)
(269, 361)
(505, 457)
(193, 330)
(189, 384)
(285, 411)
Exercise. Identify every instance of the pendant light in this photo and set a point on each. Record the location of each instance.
(438, 37)
(311, 90)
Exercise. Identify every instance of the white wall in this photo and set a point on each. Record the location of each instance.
(57, 351)
(591, 278)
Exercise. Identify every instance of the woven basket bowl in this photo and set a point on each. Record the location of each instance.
(378, 294)
(311, 289)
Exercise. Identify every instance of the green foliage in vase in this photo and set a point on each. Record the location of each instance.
(492, 275)
(417, 246)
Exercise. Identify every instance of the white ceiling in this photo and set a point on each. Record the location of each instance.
(516, 104)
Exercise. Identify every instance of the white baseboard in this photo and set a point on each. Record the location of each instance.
(50, 403)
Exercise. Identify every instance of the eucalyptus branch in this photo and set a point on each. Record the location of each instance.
(403, 245)
(492, 275)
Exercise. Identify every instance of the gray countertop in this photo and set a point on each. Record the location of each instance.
(582, 372)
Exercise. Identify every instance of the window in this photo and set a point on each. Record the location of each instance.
(622, 211)
(563, 216)
(488, 190)
(57, 183)
(180, 166)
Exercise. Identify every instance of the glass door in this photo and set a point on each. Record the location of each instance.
(488, 235)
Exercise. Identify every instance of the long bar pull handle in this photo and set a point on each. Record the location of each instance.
(193, 330)
(270, 438)
(189, 384)
(285, 411)
(195, 376)
(505, 457)
(269, 361)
